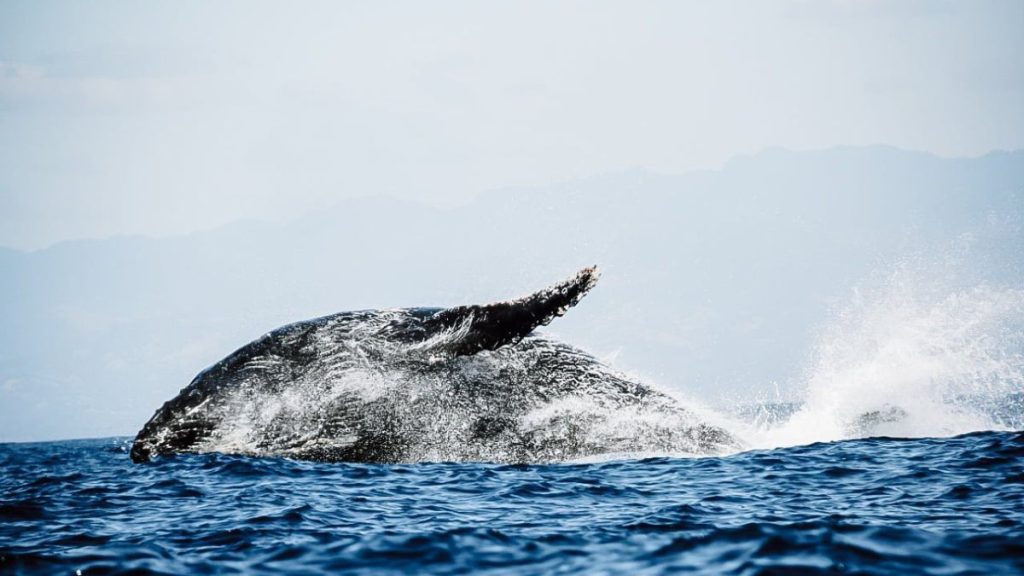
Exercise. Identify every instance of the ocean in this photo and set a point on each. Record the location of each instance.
(864, 506)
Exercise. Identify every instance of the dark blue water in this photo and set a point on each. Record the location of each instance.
(935, 506)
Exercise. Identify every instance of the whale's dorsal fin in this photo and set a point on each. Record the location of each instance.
(476, 328)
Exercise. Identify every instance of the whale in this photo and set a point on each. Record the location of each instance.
(465, 383)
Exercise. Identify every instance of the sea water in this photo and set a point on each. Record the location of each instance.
(878, 505)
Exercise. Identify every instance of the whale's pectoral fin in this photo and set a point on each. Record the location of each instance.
(465, 330)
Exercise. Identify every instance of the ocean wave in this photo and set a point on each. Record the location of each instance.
(926, 505)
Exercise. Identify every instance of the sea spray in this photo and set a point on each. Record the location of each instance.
(913, 357)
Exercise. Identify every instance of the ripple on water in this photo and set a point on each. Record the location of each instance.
(878, 505)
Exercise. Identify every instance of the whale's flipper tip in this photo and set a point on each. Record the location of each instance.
(547, 304)
(575, 288)
(495, 325)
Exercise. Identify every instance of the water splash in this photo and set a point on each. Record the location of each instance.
(913, 357)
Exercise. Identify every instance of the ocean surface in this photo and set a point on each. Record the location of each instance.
(867, 506)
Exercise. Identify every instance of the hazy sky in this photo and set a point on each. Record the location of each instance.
(167, 117)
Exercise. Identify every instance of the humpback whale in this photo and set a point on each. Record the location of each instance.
(468, 383)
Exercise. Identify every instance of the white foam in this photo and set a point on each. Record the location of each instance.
(912, 359)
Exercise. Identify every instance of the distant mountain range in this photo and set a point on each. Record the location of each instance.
(715, 283)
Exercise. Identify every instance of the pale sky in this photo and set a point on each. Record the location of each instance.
(168, 117)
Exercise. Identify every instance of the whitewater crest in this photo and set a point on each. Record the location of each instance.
(471, 383)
